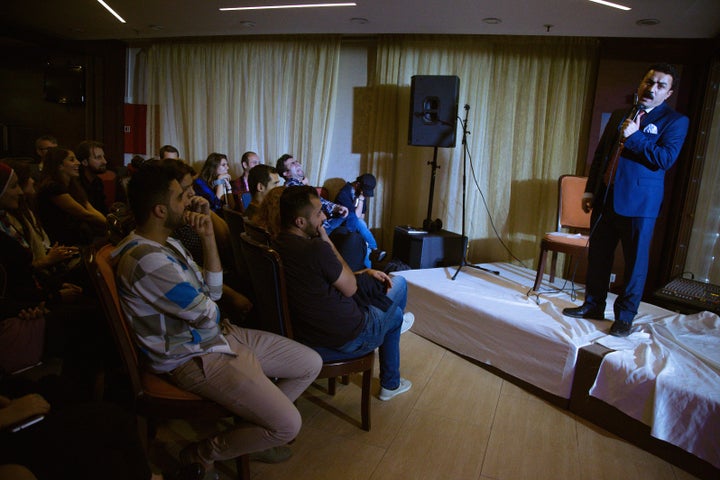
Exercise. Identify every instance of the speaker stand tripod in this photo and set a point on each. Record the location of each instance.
(463, 261)
(428, 224)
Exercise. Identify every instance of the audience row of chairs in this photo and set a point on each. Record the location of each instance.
(154, 398)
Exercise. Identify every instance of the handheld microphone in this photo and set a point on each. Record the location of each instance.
(635, 108)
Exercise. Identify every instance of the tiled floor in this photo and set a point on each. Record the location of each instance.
(458, 422)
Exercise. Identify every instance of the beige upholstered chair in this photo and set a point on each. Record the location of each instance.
(570, 216)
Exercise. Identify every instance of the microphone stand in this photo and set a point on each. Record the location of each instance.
(463, 261)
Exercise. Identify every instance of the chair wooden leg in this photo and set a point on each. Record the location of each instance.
(345, 379)
(365, 400)
(331, 385)
(553, 265)
(242, 463)
(540, 269)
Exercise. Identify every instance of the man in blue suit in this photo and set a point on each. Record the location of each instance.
(625, 193)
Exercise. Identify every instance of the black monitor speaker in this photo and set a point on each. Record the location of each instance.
(433, 110)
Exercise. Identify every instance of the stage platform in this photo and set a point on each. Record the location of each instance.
(662, 382)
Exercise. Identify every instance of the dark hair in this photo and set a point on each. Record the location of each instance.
(293, 201)
(280, 164)
(179, 167)
(84, 149)
(245, 159)
(51, 173)
(24, 212)
(667, 69)
(209, 169)
(168, 148)
(48, 138)
(259, 174)
(149, 186)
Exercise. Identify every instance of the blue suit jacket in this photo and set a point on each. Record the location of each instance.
(648, 153)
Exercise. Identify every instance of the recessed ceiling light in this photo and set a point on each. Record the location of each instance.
(276, 7)
(247, 24)
(359, 21)
(610, 4)
(157, 28)
(491, 20)
(647, 22)
(107, 7)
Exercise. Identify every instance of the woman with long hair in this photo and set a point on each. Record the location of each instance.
(63, 205)
(45, 254)
(213, 183)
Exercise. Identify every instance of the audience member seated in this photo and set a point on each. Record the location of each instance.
(213, 183)
(331, 307)
(42, 145)
(49, 260)
(268, 217)
(63, 206)
(92, 163)
(232, 302)
(292, 172)
(171, 305)
(240, 185)
(168, 151)
(75, 329)
(353, 196)
(262, 178)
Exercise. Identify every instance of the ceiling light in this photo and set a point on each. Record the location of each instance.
(277, 7)
(359, 21)
(247, 24)
(491, 20)
(610, 4)
(647, 22)
(107, 7)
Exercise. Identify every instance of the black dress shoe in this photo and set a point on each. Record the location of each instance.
(585, 311)
(620, 329)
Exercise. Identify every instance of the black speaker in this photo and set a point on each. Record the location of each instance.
(433, 110)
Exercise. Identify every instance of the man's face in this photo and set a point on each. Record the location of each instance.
(294, 169)
(178, 202)
(264, 189)
(96, 163)
(654, 89)
(43, 146)
(252, 161)
(314, 218)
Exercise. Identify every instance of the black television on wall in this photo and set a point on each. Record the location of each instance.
(64, 84)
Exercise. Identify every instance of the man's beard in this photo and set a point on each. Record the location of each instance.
(97, 171)
(173, 221)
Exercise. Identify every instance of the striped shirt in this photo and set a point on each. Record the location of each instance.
(169, 302)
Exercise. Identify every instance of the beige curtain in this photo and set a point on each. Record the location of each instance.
(704, 249)
(528, 99)
(269, 95)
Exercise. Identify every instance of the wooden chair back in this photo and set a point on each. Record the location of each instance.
(268, 278)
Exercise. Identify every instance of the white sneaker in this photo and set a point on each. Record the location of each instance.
(386, 394)
(408, 320)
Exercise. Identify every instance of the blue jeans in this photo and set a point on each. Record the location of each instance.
(332, 223)
(382, 329)
(355, 224)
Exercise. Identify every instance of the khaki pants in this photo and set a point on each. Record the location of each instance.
(242, 385)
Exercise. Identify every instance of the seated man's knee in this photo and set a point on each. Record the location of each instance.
(287, 426)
